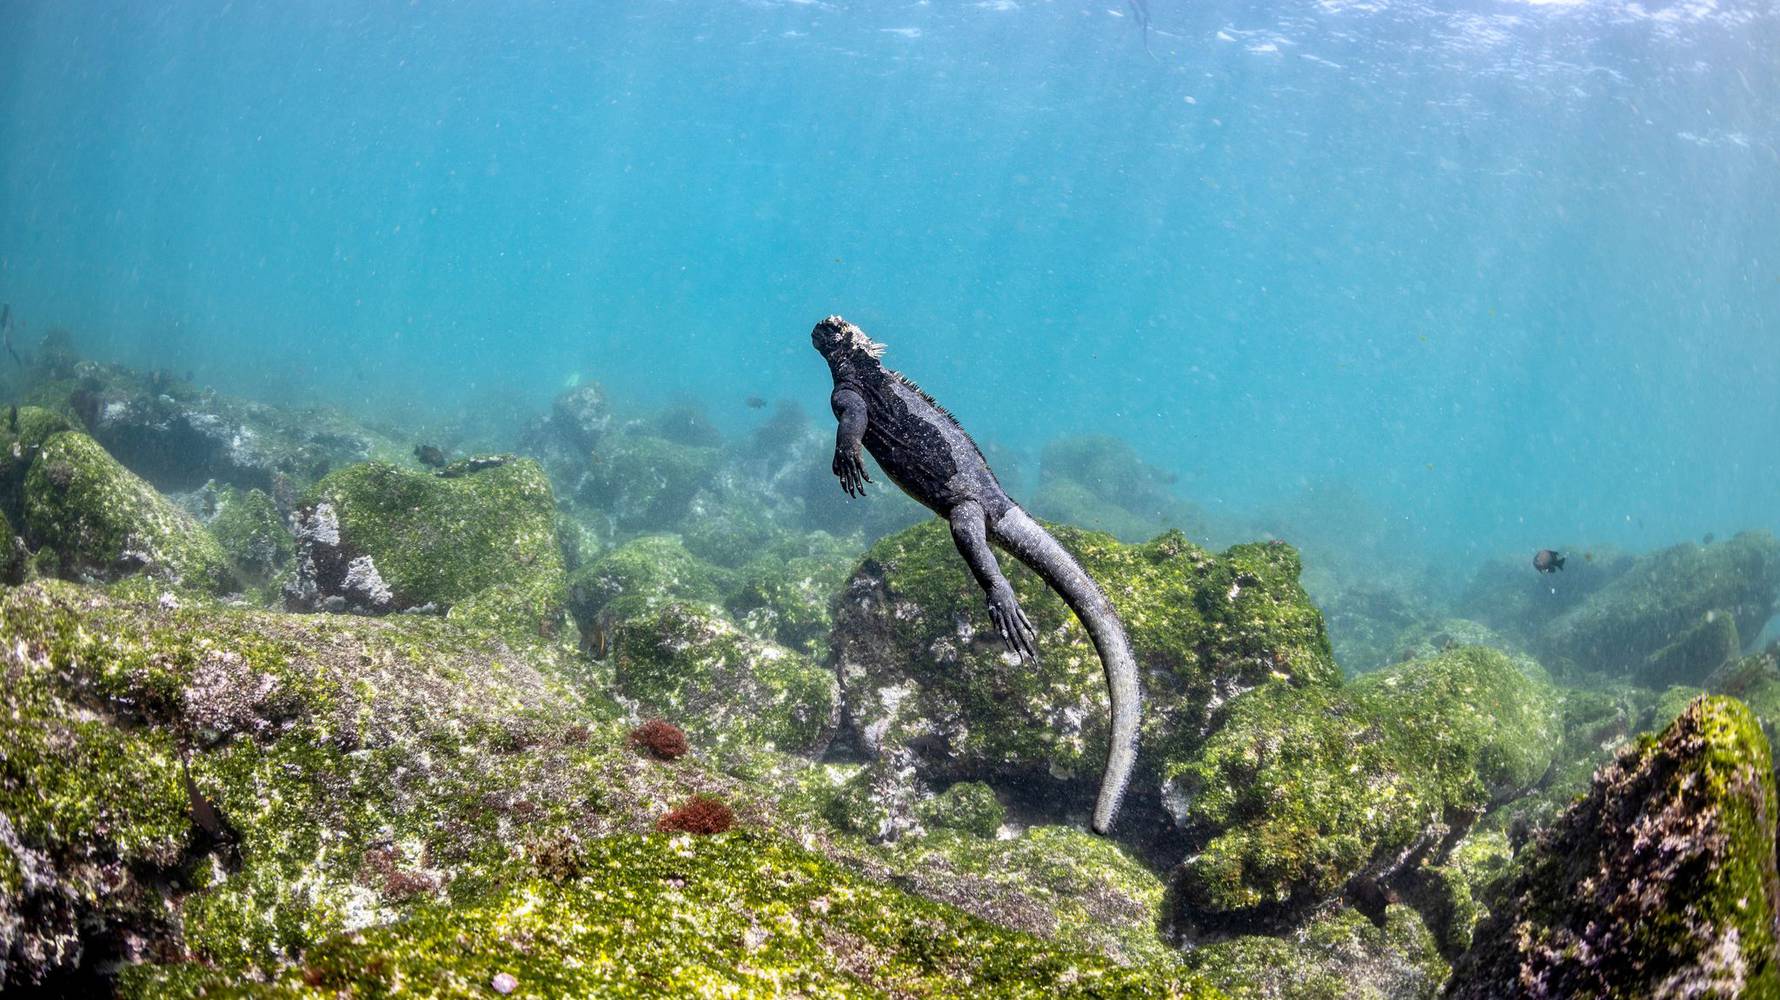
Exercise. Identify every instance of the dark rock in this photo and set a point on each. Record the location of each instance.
(1660, 883)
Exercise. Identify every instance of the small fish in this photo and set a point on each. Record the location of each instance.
(429, 456)
(12, 418)
(1707, 538)
(1547, 561)
(6, 333)
(756, 403)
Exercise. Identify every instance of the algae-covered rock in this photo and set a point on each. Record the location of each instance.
(91, 518)
(1694, 654)
(790, 597)
(1661, 883)
(13, 554)
(91, 815)
(1305, 789)
(1369, 620)
(659, 916)
(237, 784)
(314, 800)
(376, 538)
(1662, 596)
(1066, 885)
(1596, 723)
(255, 538)
(687, 663)
(1340, 955)
(968, 807)
(1753, 680)
(1450, 891)
(644, 482)
(22, 434)
(923, 668)
(1098, 482)
(177, 435)
(645, 573)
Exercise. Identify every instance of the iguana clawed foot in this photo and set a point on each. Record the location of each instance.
(1015, 628)
(850, 468)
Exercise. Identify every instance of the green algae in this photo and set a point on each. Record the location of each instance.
(1338, 956)
(734, 915)
(968, 807)
(369, 805)
(689, 664)
(90, 517)
(1066, 885)
(919, 660)
(1305, 788)
(438, 540)
(254, 536)
(645, 573)
(643, 482)
(1662, 596)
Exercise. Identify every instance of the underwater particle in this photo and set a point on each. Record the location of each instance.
(504, 983)
(660, 738)
(701, 814)
(1547, 561)
(430, 456)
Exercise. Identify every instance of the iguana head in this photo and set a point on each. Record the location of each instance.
(838, 340)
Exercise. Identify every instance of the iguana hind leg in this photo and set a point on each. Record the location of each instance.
(970, 532)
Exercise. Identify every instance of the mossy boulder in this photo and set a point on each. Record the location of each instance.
(22, 434)
(1340, 955)
(643, 482)
(1694, 654)
(178, 435)
(1596, 724)
(258, 543)
(1098, 482)
(922, 668)
(688, 663)
(1305, 790)
(376, 538)
(789, 596)
(643, 573)
(968, 807)
(736, 915)
(1066, 885)
(253, 803)
(13, 554)
(90, 518)
(1661, 882)
(1753, 680)
(1660, 598)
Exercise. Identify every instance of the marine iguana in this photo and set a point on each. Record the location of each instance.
(923, 449)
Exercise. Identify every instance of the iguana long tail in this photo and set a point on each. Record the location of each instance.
(1026, 541)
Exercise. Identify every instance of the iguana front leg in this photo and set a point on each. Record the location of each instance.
(849, 466)
(970, 533)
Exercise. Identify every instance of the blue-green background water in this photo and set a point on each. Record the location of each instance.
(1510, 272)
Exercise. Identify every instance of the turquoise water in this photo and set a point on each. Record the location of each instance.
(1507, 275)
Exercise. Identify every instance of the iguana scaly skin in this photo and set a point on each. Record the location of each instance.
(923, 450)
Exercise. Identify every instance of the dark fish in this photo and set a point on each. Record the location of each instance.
(6, 333)
(1547, 561)
(429, 456)
(1140, 9)
(1707, 538)
(756, 403)
(12, 418)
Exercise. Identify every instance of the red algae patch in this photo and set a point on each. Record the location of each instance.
(660, 738)
(700, 814)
